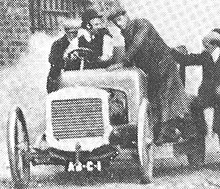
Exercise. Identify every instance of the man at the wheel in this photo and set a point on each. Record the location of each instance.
(88, 33)
(60, 51)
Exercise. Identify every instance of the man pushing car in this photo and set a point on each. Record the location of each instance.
(146, 50)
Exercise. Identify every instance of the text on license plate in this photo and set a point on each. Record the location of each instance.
(89, 166)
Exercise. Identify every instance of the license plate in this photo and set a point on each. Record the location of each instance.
(89, 166)
(164, 151)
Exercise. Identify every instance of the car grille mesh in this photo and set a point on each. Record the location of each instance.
(77, 118)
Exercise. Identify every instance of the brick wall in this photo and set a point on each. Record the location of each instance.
(14, 30)
(105, 6)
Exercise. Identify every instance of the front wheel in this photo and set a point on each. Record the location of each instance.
(145, 143)
(18, 149)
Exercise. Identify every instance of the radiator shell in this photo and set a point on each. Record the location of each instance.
(63, 134)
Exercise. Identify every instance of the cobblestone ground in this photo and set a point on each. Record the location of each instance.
(124, 173)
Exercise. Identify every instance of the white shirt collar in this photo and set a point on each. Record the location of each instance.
(215, 54)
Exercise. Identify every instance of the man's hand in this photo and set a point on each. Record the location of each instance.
(85, 34)
(104, 57)
(73, 56)
(115, 67)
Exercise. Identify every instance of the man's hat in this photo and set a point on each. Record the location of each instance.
(116, 13)
(211, 39)
(71, 24)
(90, 14)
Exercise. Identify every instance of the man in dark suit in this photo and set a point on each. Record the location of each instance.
(146, 50)
(99, 39)
(58, 49)
(88, 33)
(208, 93)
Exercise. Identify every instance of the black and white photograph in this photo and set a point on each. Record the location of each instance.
(110, 94)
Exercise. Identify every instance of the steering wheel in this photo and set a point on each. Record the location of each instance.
(82, 53)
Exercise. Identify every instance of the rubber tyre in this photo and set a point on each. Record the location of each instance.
(18, 149)
(145, 143)
(196, 155)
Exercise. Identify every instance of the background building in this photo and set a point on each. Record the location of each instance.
(182, 22)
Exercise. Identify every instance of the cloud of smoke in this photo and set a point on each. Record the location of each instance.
(178, 22)
(24, 84)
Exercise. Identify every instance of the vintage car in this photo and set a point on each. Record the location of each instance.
(93, 115)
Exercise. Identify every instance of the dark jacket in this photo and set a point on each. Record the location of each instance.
(57, 51)
(57, 61)
(96, 45)
(144, 46)
(211, 80)
(210, 74)
(147, 50)
(58, 48)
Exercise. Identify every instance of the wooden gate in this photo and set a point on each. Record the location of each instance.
(45, 14)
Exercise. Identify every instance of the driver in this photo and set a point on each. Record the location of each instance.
(59, 52)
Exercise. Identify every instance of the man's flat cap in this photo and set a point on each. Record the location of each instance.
(116, 13)
(212, 38)
(90, 14)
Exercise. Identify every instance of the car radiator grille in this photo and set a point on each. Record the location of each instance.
(77, 118)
